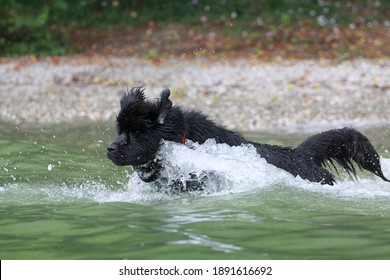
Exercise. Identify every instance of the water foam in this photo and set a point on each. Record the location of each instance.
(241, 169)
(229, 170)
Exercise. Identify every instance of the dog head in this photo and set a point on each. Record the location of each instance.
(141, 127)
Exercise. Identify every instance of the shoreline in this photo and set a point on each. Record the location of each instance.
(243, 94)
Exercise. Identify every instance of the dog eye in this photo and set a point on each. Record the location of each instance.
(118, 130)
(130, 137)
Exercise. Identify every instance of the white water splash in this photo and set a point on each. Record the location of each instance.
(241, 169)
(230, 170)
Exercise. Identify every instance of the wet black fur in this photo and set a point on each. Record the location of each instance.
(142, 125)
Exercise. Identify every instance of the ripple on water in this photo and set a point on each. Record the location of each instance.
(235, 170)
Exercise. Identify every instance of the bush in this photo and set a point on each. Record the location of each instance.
(44, 27)
(31, 29)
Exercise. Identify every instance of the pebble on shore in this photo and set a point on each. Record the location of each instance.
(242, 95)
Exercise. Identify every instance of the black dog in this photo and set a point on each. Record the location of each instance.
(143, 125)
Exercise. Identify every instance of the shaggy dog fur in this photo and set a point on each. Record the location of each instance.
(143, 124)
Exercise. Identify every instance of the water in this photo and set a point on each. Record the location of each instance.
(60, 198)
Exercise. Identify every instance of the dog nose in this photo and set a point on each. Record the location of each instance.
(112, 148)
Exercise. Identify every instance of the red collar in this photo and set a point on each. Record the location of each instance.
(184, 138)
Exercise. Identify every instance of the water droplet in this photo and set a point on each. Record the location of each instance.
(99, 143)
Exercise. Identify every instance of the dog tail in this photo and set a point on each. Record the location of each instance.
(343, 146)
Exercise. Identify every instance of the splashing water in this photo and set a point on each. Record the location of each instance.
(241, 169)
(230, 170)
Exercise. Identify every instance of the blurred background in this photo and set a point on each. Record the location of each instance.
(153, 28)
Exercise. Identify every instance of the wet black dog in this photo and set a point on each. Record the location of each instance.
(142, 126)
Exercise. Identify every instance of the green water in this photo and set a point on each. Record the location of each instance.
(60, 198)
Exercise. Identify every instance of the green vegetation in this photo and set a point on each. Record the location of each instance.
(45, 27)
(27, 28)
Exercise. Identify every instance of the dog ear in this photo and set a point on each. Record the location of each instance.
(165, 105)
(136, 94)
